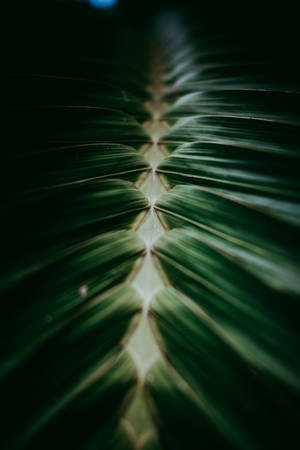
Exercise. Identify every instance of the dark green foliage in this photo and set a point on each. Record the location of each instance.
(74, 102)
(228, 320)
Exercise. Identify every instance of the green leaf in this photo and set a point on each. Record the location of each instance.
(253, 315)
(72, 406)
(280, 107)
(179, 414)
(227, 368)
(66, 280)
(226, 321)
(268, 248)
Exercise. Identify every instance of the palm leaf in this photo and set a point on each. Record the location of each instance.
(150, 293)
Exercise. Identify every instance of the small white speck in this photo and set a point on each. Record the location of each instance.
(83, 290)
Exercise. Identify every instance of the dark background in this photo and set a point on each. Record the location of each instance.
(52, 20)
